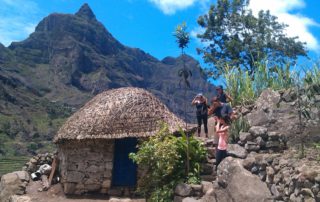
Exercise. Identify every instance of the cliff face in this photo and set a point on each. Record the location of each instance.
(69, 59)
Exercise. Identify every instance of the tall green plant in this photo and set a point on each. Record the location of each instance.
(237, 126)
(183, 39)
(163, 158)
(245, 88)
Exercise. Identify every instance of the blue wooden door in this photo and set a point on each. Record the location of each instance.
(124, 170)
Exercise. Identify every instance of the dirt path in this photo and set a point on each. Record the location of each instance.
(55, 194)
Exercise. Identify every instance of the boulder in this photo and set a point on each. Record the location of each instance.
(237, 151)
(244, 137)
(252, 146)
(183, 190)
(190, 199)
(206, 186)
(206, 168)
(240, 183)
(268, 99)
(257, 118)
(289, 95)
(249, 162)
(259, 131)
(16, 198)
(208, 198)
(13, 184)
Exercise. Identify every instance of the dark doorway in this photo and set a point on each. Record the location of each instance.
(124, 170)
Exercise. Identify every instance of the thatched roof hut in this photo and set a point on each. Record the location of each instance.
(94, 143)
(119, 113)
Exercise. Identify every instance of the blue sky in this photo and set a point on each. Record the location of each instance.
(149, 24)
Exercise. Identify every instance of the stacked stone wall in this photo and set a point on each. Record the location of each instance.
(86, 166)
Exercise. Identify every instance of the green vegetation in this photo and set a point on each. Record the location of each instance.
(237, 126)
(183, 38)
(234, 36)
(245, 88)
(163, 158)
(10, 164)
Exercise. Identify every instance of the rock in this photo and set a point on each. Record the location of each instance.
(268, 99)
(206, 169)
(209, 178)
(183, 190)
(196, 187)
(252, 146)
(260, 142)
(240, 183)
(258, 131)
(237, 151)
(310, 173)
(208, 198)
(244, 137)
(248, 163)
(206, 186)
(178, 199)
(294, 198)
(262, 175)
(13, 184)
(211, 151)
(272, 144)
(273, 136)
(307, 192)
(254, 170)
(275, 192)
(16, 198)
(289, 95)
(315, 189)
(257, 118)
(190, 199)
(307, 184)
(317, 178)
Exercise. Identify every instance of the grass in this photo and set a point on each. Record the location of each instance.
(10, 164)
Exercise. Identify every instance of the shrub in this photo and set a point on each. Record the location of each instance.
(163, 157)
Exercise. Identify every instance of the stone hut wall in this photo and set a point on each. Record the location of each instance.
(86, 166)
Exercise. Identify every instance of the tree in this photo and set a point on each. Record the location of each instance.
(234, 37)
(183, 38)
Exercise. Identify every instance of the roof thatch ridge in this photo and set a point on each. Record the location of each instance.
(119, 113)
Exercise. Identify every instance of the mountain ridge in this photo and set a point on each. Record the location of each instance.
(67, 60)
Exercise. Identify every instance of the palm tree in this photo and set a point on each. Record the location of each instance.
(182, 39)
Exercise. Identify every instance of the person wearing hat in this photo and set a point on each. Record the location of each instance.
(201, 104)
(222, 96)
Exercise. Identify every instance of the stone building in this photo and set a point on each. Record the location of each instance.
(94, 143)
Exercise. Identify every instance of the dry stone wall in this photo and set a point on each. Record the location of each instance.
(86, 166)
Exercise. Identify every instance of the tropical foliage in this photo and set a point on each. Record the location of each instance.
(245, 88)
(234, 36)
(163, 158)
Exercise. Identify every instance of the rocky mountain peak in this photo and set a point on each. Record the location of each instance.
(86, 12)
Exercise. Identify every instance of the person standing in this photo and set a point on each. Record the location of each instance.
(222, 96)
(222, 128)
(201, 104)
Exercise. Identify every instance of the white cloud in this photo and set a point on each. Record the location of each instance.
(18, 19)
(169, 7)
(287, 12)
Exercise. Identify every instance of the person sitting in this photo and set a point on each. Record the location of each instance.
(202, 112)
(222, 96)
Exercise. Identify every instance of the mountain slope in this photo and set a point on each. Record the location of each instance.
(65, 62)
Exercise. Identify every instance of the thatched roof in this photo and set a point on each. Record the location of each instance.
(118, 113)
